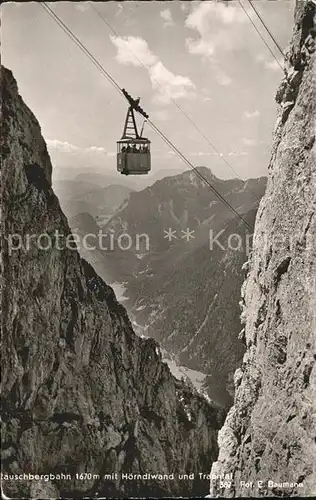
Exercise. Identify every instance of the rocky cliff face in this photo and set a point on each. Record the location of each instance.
(269, 434)
(82, 394)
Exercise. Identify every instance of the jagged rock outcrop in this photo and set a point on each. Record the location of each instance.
(269, 433)
(81, 393)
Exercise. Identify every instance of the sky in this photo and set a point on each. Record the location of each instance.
(201, 60)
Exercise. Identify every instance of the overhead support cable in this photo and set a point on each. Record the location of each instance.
(189, 119)
(81, 46)
(260, 35)
(266, 27)
(123, 93)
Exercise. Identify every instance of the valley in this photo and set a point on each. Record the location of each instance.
(179, 268)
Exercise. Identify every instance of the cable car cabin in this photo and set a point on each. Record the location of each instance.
(133, 156)
(133, 150)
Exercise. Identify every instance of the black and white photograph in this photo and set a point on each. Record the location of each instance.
(158, 249)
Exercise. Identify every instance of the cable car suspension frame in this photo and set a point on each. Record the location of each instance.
(133, 150)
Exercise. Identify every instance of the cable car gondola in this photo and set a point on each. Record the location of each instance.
(133, 150)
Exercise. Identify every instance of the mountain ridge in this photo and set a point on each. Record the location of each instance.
(157, 276)
(81, 392)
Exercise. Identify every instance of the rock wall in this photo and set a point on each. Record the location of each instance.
(81, 393)
(269, 433)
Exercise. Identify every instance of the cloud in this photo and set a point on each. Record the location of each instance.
(161, 114)
(200, 47)
(207, 50)
(184, 7)
(82, 7)
(218, 154)
(168, 85)
(205, 12)
(271, 64)
(218, 30)
(64, 153)
(214, 153)
(96, 149)
(251, 114)
(202, 153)
(214, 22)
(249, 142)
(223, 79)
(238, 153)
(62, 146)
(135, 51)
(274, 65)
(119, 9)
(68, 148)
(167, 17)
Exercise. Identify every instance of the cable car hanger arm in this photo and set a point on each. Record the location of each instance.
(134, 103)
